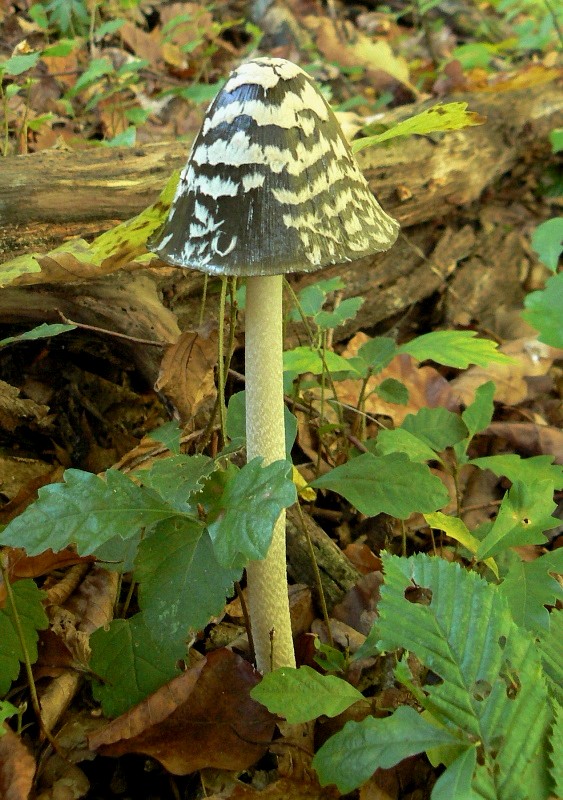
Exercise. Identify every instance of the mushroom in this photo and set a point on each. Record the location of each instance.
(270, 187)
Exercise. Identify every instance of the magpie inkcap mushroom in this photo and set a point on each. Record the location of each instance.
(270, 187)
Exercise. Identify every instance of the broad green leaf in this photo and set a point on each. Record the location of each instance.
(528, 587)
(376, 354)
(130, 664)
(456, 529)
(16, 267)
(41, 332)
(7, 710)
(125, 138)
(454, 349)
(526, 470)
(400, 441)
(455, 782)
(524, 515)
(32, 618)
(556, 743)
(543, 311)
(551, 649)
(62, 48)
(18, 64)
(390, 484)
(118, 554)
(556, 139)
(441, 117)
(547, 241)
(492, 688)
(308, 359)
(242, 519)
(169, 435)
(393, 391)
(353, 754)
(176, 478)
(181, 584)
(236, 422)
(312, 298)
(97, 68)
(303, 694)
(436, 427)
(85, 510)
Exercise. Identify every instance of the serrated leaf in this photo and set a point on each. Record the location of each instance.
(441, 117)
(346, 310)
(551, 649)
(242, 519)
(528, 587)
(308, 359)
(85, 510)
(41, 332)
(479, 413)
(313, 297)
(436, 427)
(393, 391)
(353, 754)
(456, 529)
(543, 311)
(526, 470)
(129, 664)
(556, 744)
(401, 441)
(18, 64)
(169, 435)
(181, 583)
(303, 694)
(176, 478)
(376, 353)
(454, 349)
(455, 782)
(524, 515)
(32, 618)
(390, 484)
(547, 241)
(492, 685)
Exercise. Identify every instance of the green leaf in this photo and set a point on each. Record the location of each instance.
(393, 391)
(390, 484)
(526, 470)
(16, 65)
(454, 349)
(7, 710)
(556, 139)
(455, 782)
(312, 298)
(169, 435)
(441, 117)
(524, 515)
(182, 585)
(124, 139)
(543, 311)
(177, 478)
(303, 694)
(528, 587)
(551, 650)
(400, 441)
(547, 241)
(32, 617)
(345, 310)
(16, 267)
(353, 754)
(243, 517)
(62, 48)
(492, 690)
(97, 68)
(69, 16)
(436, 427)
(308, 359)
(130, 664)
(479, 413)
(85, 510)
(41, 332)
(456, 529)
(376, 354)
(556, 743)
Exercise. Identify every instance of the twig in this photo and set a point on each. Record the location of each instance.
(107, 332)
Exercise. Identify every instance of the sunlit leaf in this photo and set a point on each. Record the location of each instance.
(454, 349)
(543, 311)
(547, 241)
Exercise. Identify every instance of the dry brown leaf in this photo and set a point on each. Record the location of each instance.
(203, 718)
(530, 359)
(15, 411)
(187, 372)
(61, 780)
(144, 45)
(358, 607)
(282, 789)
(349, 47)
(17, 472)
(17, 767)
(530, 439)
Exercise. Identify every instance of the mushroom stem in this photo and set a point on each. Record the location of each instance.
(265, 437)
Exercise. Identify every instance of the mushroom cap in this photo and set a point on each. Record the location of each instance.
(271, 185)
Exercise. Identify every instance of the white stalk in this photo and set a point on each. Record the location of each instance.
(265, 437)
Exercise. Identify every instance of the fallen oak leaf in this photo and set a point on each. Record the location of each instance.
(17, 767)
(203, 718)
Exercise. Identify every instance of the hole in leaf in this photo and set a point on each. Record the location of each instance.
(481, 689)
(419, 595)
